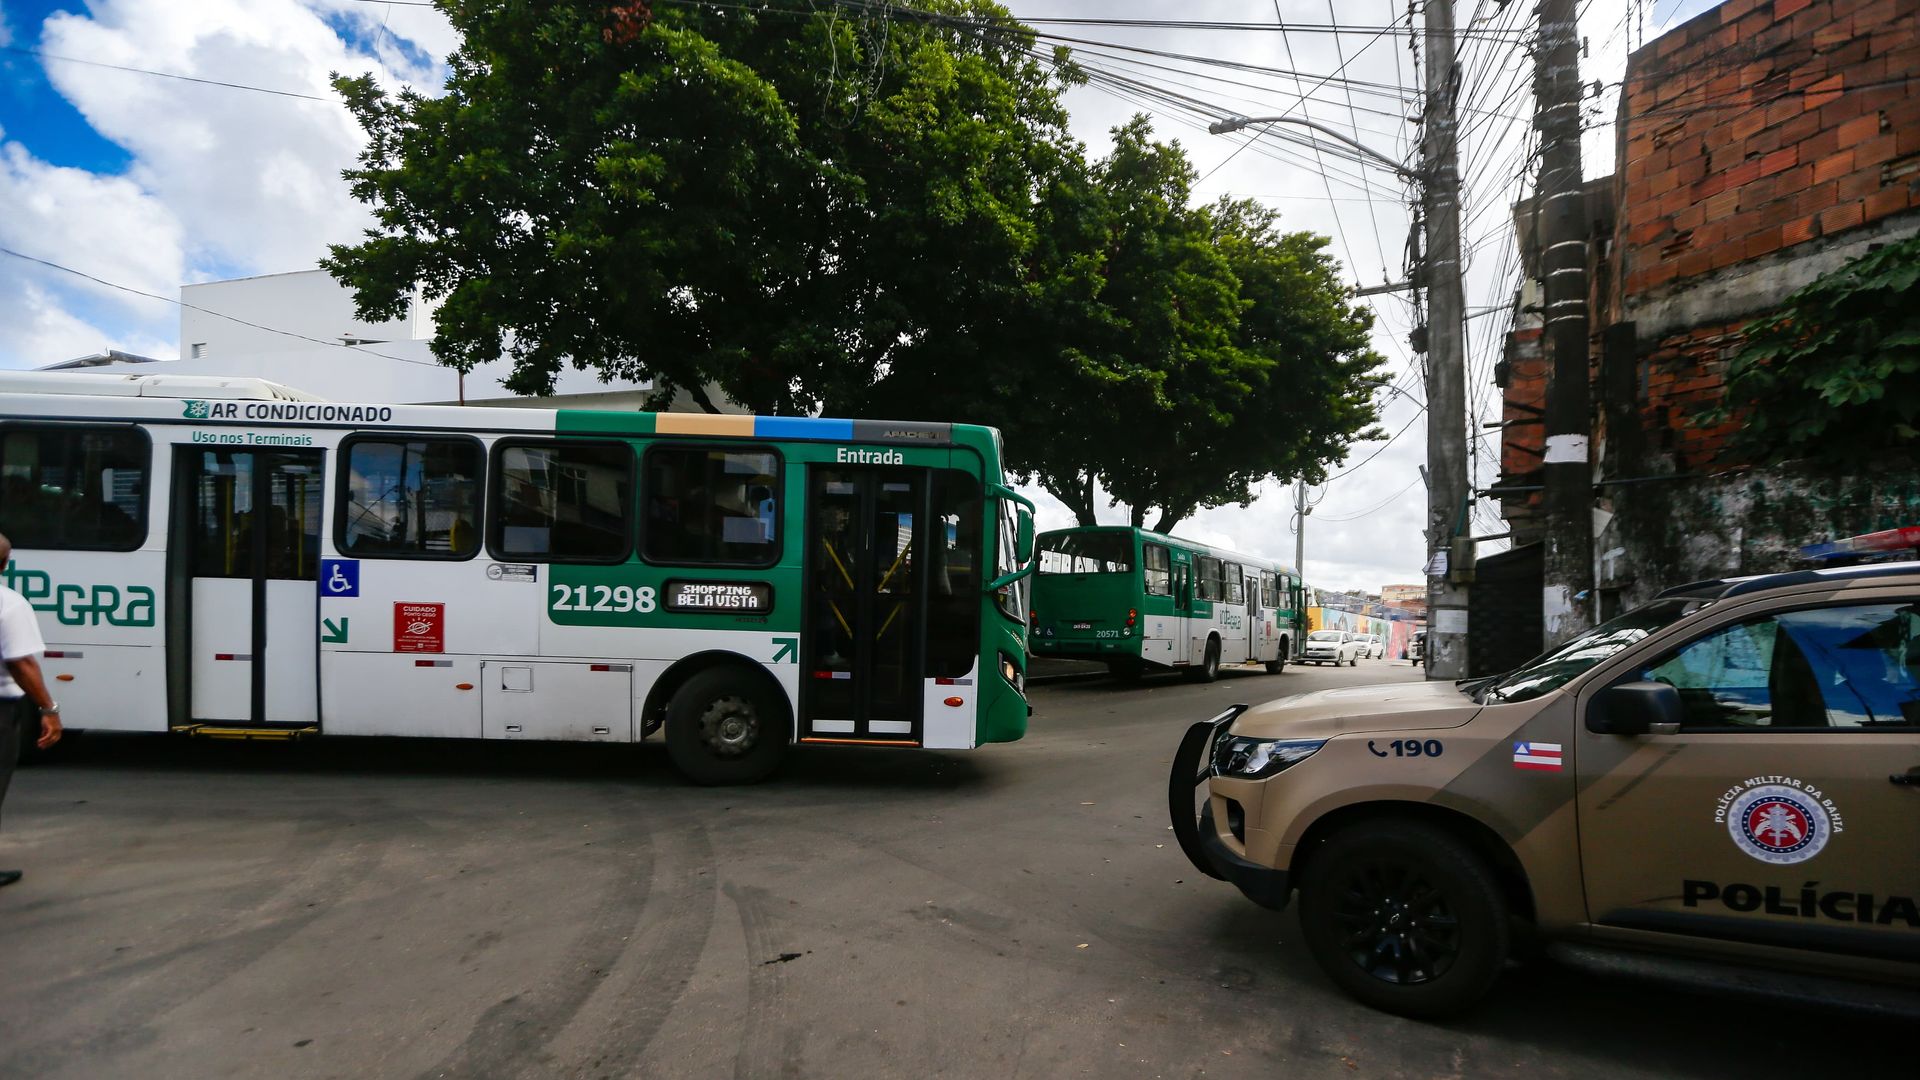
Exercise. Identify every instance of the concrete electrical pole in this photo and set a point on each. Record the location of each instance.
(1300, 512)
(1449, 542)
(1561, 205)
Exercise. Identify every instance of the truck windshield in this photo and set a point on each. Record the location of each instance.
(1556, 667)
(1087, 553)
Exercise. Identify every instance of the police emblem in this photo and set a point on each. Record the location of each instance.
(1778, 824)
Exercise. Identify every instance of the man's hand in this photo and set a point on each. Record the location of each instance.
(49, 730)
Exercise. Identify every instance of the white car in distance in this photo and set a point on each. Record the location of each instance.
(1334, 647)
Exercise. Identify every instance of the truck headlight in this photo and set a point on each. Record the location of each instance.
(1246, 758)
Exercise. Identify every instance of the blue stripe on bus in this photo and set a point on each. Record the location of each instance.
(802, 427)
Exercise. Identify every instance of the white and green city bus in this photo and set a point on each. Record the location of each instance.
(230, 558)
(1139, 601)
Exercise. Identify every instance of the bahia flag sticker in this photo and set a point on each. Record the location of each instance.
(1536, 755)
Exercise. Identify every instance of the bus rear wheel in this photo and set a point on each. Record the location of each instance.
(1276, 666)
(726, 726)
(1209, 668)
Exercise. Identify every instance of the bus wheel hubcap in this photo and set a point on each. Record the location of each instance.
(730, 726)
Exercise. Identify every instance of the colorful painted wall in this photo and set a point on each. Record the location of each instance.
(1397, 633)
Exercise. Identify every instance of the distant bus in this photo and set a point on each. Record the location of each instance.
(1139, 601)
(230, 558)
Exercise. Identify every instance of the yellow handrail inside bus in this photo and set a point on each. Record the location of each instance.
(837, 564)
(896, 565)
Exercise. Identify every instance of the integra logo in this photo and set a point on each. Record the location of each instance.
(81, 605)
(868, 457)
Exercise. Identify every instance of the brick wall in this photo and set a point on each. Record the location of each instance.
(1759, 145)
(1749, 138)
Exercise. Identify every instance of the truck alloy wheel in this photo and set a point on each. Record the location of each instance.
(1405, 918)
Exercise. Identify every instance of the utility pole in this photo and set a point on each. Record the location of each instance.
(1561, 205)
(1300, 512)
(1449, 544)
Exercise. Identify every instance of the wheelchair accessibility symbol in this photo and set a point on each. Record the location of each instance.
(339, 577)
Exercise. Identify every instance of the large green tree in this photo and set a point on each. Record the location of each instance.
(1172, 357)
(781, 204)
(862, 210)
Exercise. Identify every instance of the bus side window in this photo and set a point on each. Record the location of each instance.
(712, 507)
(1159, 574)
(1207, 570)
(1235, 582)
(561, 501)
(74, 488)
(410, 498)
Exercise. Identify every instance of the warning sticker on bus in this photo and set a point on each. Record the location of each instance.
(419, 627)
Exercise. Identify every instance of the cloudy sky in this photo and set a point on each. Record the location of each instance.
(148, 182)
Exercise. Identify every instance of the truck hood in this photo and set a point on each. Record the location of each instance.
(1406, 706)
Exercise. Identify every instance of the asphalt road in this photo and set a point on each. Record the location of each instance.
(409, 909)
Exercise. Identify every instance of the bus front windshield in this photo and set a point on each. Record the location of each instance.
(1555, 668)
(1087, 553)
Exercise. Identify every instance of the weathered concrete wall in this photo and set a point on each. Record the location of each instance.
(1748, 522)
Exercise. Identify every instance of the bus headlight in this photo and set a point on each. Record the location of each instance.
(1244, 758)
(1010, 671)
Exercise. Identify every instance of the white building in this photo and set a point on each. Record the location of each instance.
(299, 330)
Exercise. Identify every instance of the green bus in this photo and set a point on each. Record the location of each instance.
(229, 558)
(1139, 601)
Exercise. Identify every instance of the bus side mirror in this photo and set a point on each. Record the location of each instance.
(1636, 708)
(1022, 536)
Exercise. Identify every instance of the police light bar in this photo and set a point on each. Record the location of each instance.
(1867, 543)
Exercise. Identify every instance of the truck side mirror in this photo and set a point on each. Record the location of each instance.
(1636, 708)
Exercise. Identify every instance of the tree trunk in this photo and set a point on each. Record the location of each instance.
(1137, 516)
(1076, 493)
(699, 395)
(1171, 516)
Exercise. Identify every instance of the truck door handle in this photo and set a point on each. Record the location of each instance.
(1911, 778)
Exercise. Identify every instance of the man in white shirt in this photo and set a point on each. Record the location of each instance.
(25, 705)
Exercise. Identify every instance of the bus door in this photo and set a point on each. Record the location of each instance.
(1257, 616)
(1183, 606)
(246, 551)
(862, 652)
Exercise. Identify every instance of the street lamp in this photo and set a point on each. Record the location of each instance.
(1235, 123)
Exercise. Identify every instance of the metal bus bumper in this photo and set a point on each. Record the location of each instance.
(1198, 834)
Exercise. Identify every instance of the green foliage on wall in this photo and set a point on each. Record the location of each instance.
(1834, 375)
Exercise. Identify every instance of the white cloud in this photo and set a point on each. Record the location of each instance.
(222, 181)
(102, 225)
(254, 178)
(41, 330)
